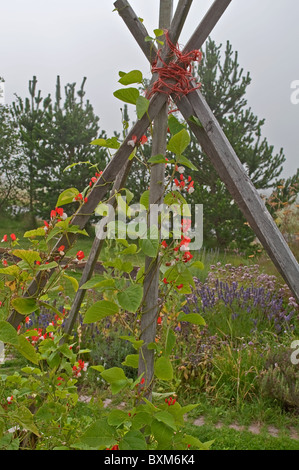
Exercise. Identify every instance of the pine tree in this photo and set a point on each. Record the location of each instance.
(9, 161)
(55, 135)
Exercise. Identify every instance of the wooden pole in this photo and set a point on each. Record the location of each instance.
(149, 312)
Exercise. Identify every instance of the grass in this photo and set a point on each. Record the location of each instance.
(230, 439)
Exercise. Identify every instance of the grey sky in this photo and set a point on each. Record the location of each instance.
(74, 39)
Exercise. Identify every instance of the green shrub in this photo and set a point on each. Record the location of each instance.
(280, 380)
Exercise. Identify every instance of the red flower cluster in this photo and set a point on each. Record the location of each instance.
(134, 140)
(77, 369)
(116, 447)
(57, 213)
(5, 238)
(40, 336)
(79, 198)
(170, 401)
(182, 182)
(95, 178)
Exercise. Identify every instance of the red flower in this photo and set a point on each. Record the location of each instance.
(13, 237)
(159, 321)
(59, 211)
(4, 239)
(61, 248)
(38, 263)
(85, 200)
(165, 281)
(176, 182)
(79, 197)
(180, 286)
(187, 256)
(143, 140)
(80, 255)
(164, 244)
(9, 400)
(53, 214)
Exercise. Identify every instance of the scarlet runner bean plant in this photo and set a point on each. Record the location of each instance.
(41, 396)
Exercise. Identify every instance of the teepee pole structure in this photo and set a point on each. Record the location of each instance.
(209, 135)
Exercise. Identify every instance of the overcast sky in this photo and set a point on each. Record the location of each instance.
(73, 39)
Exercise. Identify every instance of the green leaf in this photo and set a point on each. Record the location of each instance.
(116, 378)
(151, 244)
(92, 282)
(142, 105)
(131, 361)
(27, 350)
(144, 199)
(157, 159)
(162, 433)
(25, 418)
(179, 142)
(175, 126)
(131, 298)
(24, 305)
(198, 265)
(27, 255)
(170, 342)
(50, 411)
(194, 318)
(107, 143)
(158, 32)
(98, 436)
(117, 417)
(8, 334)
(11, 271)
(39, 232)
(163, 368)
(135, 342)
(128, 95)
(141, 419)
(135, 76)
(166, 418)
(196, 443)
(75, 164)
(196, 121)
(133, 440)
(98, 368)
(184, 161)
(45, 267)
(73, 281)
(67, 196)
(175, 197)
(100, 310)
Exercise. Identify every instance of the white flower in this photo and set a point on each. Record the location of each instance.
(131, 143)
(190, 190)
(181, 169)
